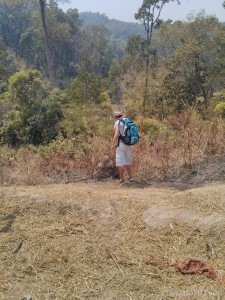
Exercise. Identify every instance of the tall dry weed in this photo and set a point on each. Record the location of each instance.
(21, 167)
(94, 153)
(196, 140)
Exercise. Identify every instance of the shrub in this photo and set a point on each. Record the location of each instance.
(153, 129)
(220, 109)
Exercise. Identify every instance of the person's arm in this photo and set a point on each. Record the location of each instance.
(115, 137)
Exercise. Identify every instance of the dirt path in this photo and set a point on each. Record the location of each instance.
(163, 204)
(93, 240)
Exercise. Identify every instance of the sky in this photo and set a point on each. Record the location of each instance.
(124, 10)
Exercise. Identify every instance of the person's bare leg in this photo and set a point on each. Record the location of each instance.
(121, 173)
(129, 172)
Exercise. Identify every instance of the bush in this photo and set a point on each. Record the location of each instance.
(220, 109)
(153, 129)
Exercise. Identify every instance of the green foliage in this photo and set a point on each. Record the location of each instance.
(36, 112)
(15, 16)
(149, 15)
(151, 128)
(154, 129)
(195, 67)
(84, 116)
(116, 75)
(149, 12)
(2, 56)
(82, 124)
(88, 86)
(68, 148)
(185, 71)
(27, 88)
(220, 109)
(99, 49)
(87, 90)
(11, 128)
(135, 46)
(185, 67)
(21, 32)
(120, 31)
(86, 120)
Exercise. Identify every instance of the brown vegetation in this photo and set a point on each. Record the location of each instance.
(189, 141)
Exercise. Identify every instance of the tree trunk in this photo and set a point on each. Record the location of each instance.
(149, 30)
(47, 47)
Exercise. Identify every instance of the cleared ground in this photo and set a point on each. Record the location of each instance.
(100, 240)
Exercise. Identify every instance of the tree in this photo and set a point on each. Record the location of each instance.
(2, 68)
(36, 112)
(42, 4)
(135, 48)
(149, 15)
(47, 44)
(88, 86)
(190, 63)
(15, 18)
(64, 37)
(99, 49)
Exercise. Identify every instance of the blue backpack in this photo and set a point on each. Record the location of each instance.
(130, 134)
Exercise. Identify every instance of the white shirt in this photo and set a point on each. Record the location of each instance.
(119, 124)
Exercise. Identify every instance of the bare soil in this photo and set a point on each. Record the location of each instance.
(101, 240)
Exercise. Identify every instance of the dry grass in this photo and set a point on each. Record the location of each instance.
(84, 241)
(21, 168)
(164, 158)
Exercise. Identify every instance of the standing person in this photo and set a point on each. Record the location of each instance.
(123, 152)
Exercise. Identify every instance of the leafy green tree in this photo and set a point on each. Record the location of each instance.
(149, 14)
(15, 18)
(135, 49)
(11, 127)
(116, 75)
(132, 63)
(48, 50)
(99, 48)
(196, 66)
(27, 88)
(66, 41)
(88, 86)
(21, 30)
(36, 111)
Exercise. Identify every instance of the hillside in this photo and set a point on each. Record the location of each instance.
(101, 240)
(120, 30)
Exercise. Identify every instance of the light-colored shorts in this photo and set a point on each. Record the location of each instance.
(123, 155)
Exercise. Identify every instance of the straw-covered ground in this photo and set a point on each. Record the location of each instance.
(100, 240)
